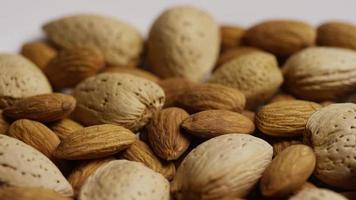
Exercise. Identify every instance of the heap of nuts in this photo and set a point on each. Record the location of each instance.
(201, 113)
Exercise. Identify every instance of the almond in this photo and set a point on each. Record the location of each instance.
(337, 34)
(288, 171)
(174, 88)
(65, 127)
(317, 194)
(208, 96)
(230, 36)
(164, 134)
(43, 108)
(119, 42)
(212, 123)
(285, 118)
(39, 53)
(281, 97)
(249, 114)
(280, 145)
(35, 134)
(224, 167)
(134, 71)
(30, 193)
(280, 37)
(116, 98)
(122, 179)
(71, 66)
(232, 53)
(6, 101)
(4, 124)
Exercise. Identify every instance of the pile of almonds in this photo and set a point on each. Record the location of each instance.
(196, 111)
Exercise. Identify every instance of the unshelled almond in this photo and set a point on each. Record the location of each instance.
(30, 193)
(134, 71)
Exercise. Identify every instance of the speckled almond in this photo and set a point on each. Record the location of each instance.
(317, 194)
(337, 34)
(30, 193)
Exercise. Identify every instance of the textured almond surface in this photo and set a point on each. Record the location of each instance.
(119, 42)
(255, 74)
(21, 78)
(225, 167)
(285, 118)
(209, 96)
(280, 145)
(332, 132)
(174, 88)
(234, 53)
(164, 133)
(317, 194)
(122, 180)
(29, 193)
(35, 134)
(288, 171)
(183, 42)
(134, 71)
(280, 37)
(337, 34)
(65, 127)
(230, 36)
(71, 66)
(95, 142)
(321, 73)
(116, 98)
(22, 165)
(43, 108)
(212, 123)
(39, 53)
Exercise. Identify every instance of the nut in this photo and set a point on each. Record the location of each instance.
(337, 34)
(39, 53)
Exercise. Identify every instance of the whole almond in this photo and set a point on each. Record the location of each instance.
(174, 88)
(122, 179)
(95, 142)
(119, 42)
(280, 37)
(255, 74)
(71, 66)
(281, 97)
(212, 123)
(280, 145)
(285, 118)
(230, 36)
(337, 34)
(164, 134)
(134, 71)
(317, 194)
(321, 73)
(30, 193)
(35, 134)
(183, 42)
(6, 101)
(39, 53)
(288, 171)
(23, 166)
(232, 53)
(21, 78)
(141, 152)
(207, 96)
(43, 108)
(65, 127)
(249, 114)
(116, 98)
(4, 124)
(224, 167)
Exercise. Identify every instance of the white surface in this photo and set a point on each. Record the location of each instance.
(21, 20)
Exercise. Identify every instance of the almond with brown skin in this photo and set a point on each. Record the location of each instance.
(174, 88)
(65, 127)
(230, 36)
(39, 52)
(6, 101)
(209, 96)
(96, 141)
(134, 71)
(249, 114)
(337, 34)
(30, 193)
(234, 53)
(43, 108)
(212, 123)
(280, 145)
(164, 134)
(4, 125)
(35, 134)
(281, 97)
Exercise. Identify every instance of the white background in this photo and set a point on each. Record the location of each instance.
(21, 20)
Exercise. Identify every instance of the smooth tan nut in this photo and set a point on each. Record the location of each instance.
(280, 37)
(255, 74)
(35, 134)
(71, 66)
(281, 97)
(64, 127)
(174, 88)
(208, 96)
(212, 123)
(39, 53)
(95, 141)
(21, 78)
(30, 193)
(285, 118)
(122, 179)
(331, 131)
(321, 73)
(43, 108)
(337, 34)
(280, 145)
(224, 167)
(232, 53)
(230, 36)
(288, 171)
(115, 98)
(164, 133)
(119, 42)
(134, 71)
(23, 166)
(317, 194)
(183, 42)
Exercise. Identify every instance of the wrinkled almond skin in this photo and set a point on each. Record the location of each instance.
(71, 66)
(280, 37)
(134, 71)
(35, 134)
(230, 36)
(212, 123)
(174, 88)
(317, 194)
(40, 53)
(30, 193)
(43, 108)
(95, 141)
(285, 118)
(337, 34)
(6, 101)
(207, 96)
(164, 133)
(288, 171)
(64, 127)
(280, 145)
